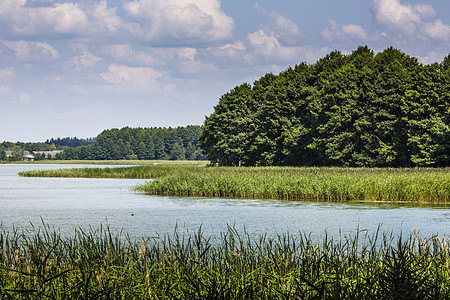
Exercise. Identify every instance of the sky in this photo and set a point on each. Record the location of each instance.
(76, 68)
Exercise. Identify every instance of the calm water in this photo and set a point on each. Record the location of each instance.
(66, 203)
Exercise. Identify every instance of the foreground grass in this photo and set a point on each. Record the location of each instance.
(333, 184)
(99, 264)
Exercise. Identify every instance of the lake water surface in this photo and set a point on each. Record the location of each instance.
(67, 203)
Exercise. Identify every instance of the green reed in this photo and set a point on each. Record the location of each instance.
(100, 264)
(334, 184)
(138, 172)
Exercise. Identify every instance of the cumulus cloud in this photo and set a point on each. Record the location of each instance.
(60, 18)
(104, 19)
(38, 52)
(437, 30)
(87, 60)
(344, 33)
(395, 15)
(354, 31)
(175, 21)
(124, 53)
(18, 18)
(410, 20)
(144, 78)
(266, 47)
(283, 28)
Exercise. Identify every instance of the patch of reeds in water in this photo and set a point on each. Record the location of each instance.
(100, 264)
(136, 172)
(333, 184)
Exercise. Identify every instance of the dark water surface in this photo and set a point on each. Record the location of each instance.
(67, 203)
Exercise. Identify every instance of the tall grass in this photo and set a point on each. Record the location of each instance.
(137, 172)
(100, 264)
(334, 184)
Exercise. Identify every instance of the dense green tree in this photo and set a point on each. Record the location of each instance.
(3, 156)
(141, 143)
(360, 109)
(16, 153)
(231, 127)
(177, 152)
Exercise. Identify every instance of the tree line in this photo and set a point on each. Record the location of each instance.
(142, 143)
(361, 109)
(178, 143)
(71, 142)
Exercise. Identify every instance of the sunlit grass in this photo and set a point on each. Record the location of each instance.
(101, 264)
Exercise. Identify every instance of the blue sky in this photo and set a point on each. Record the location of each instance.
(75, 68)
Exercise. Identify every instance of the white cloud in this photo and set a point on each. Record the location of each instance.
(118, 51)
(105, 19)
(32, 51)
(61, 18)
(408, 24)
(354, 31)
(126, 54)
(283, 28)
(86, 60)
(344, 34)
(173, 21)
(397, 16)
(24, 98)
(264, 47)
(143, 78)
(85, 18)
(437, 30)
(432, 57)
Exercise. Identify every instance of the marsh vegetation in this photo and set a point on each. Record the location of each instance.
(293, 183)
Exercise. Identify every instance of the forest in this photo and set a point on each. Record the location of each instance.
(180, 143)
(357, 110)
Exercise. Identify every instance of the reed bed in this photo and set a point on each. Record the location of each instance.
(136, 172)
(100, 264)
(291, 183)
(332, 184)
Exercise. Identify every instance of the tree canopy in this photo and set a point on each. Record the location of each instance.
(361, 109)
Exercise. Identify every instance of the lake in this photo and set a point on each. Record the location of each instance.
(67, 203)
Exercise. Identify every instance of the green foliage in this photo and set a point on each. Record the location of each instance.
(70, 142)
(142, 144)
(357, 110)
(3, 156)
